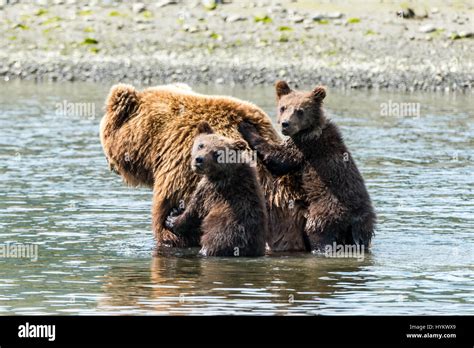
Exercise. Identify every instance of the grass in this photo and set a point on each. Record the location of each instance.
(353, 20)
(115, 14)
(22, 26)
(263, 19)
(285, 28)
(215, 36)
(89, 41)
(322, 21)
(41, 12)
(51, 20)
(84, 12)
(148, 14)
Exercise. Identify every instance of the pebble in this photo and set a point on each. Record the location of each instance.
(258, 59)
(235, 18)
(165, 3)
(297, 19)
(428, 28)
(138, 7)
(334, 15)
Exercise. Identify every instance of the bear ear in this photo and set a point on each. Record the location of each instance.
(319, 93)
(240, 144)
(282, 89)
(204, 128)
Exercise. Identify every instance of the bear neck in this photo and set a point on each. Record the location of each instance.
(234, 176)
(313, 133)
(320, 140)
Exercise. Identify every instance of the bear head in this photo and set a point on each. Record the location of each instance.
(299, 111)
(217, 156)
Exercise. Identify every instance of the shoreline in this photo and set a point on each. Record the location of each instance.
(340, 46)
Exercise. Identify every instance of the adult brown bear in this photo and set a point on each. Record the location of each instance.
(147, 138)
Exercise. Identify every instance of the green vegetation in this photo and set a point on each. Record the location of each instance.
(322, 21)
(370, 32)
(331, 52)
(353, 20)
(41, 12)
(84, 13)
(284, 28)
(90, 41)
(22, 26)
(115, 14)
(51, 20)
(264, 19)
(437, 32)
(215, 36)
(88, 30)
(147, 14)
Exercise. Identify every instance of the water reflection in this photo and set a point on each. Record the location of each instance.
(269, 285)
(95, 244)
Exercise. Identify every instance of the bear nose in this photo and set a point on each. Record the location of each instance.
(199, 160)
(285, 124)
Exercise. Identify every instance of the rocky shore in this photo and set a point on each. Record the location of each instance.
(346, 45)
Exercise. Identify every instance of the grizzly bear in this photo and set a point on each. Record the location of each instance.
(228, 205)
(338, 206)
(147, 138)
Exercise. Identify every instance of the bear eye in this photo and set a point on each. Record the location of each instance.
(282, 109)
(200, 146)
(299, 112)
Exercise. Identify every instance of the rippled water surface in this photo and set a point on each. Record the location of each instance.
(95, 244)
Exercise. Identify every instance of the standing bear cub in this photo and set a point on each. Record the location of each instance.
(228, 205)
(338, 206)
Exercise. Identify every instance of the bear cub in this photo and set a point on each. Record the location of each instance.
(228, 206)
(338, 205)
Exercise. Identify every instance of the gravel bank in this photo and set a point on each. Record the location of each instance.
(344, 45)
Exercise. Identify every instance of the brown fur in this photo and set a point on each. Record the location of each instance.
(147, 138)
(228, 206)
(337, 204)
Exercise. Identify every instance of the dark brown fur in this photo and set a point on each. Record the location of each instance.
(147, 136)
(338, 206)
(228, 206)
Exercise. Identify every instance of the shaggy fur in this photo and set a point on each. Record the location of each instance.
(338, 206)
(147, 138)
(228, 206)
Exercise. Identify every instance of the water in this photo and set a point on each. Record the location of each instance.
(95, 244)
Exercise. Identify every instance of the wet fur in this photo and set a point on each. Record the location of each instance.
(228, 206)
(147, 137)
(336, 202)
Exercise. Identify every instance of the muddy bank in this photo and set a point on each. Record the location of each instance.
(345, 45)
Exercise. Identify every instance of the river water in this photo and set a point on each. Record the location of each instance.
(94, 244)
